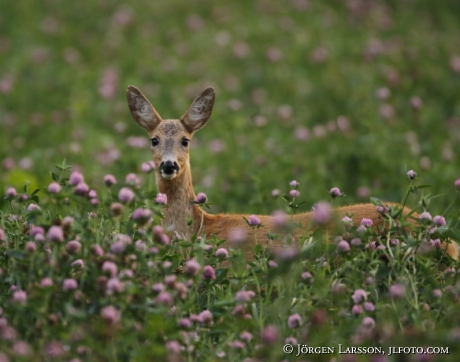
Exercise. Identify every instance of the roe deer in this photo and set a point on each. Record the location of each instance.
(170, 140)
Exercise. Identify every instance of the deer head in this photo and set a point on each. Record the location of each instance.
(170, 137)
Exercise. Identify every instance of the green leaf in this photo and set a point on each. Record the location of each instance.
(54, 176)
(185, 244)
(454, 234)
(16, 254)
(286, 198)
(35, 192)
(376, 201)
(221, 274)
(221, 303)
(442, 229)
(150, 194)
(63, 166)
(26, 186)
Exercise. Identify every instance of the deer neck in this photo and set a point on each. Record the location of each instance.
(180, 194)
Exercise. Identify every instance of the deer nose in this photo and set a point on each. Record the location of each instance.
(169, 167)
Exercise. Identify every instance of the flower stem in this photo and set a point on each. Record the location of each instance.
(201, 222)
(403, 204)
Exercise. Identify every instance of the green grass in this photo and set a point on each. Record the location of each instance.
(379, 286)
(171, 51)
(277, 68)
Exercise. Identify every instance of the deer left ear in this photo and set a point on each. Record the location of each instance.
(142, 111)
(200, 110)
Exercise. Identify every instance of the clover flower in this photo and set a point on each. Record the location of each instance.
(110, 314)
(368, 306)
(125, 195)
(425, 216)
(73, 246)
(206, 317)
(279, 219)
(246, 336)
(347, 221)
(55, 233)
(54, 188)
(244, 296)
(294, 321)
(457, 185)
(270, 335)
(411, 174)
(81, 189)
(11, 193)
(161, 199)
(236, 236)
(76, 178)
(359, 295)
(294, 193)
(397, 291)
(343, 246)
(110, 267)
(322, 212)
(114, 285)
(208, 272)
(141, 216)
(109, 180)
(201, 198)
(33, 207)
(335, 192)
(69, 284)
(355, 241)
(46, 282)
(253, 220)
(439, 220)
(30, 246)
(221, 253)
(19, 296)
(77, 264)
(164, 298)
(368, 322)
(97, 250)
(192, 267)
(133, 180)
(148, 166)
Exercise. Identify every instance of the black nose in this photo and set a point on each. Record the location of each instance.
(169, 167)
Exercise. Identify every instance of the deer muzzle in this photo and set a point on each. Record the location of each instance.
(169, 169)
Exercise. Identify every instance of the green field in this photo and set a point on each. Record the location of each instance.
(282, 73)
(349, 94)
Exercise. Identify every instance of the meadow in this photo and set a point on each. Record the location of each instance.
(348, 94)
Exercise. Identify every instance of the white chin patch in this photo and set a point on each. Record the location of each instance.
(168, 176)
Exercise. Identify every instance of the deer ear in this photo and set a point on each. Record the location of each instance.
(200, 110)
(142, 111)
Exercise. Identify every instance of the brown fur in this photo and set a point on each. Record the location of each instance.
(179, 189)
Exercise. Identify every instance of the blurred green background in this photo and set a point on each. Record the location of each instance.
(330, 93)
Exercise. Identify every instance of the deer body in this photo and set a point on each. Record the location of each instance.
(170, 139)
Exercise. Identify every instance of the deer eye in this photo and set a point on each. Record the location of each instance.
(155, 142)
(185, 142)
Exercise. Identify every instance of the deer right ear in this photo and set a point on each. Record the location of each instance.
(142, 111)
(200, 110)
